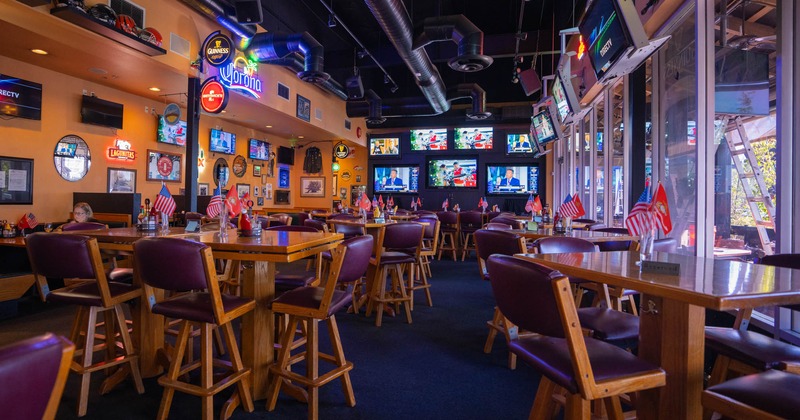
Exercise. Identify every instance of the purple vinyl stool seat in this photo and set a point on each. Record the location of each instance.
(539, 300)
(312, 305)
(448, 232)
(469, 222)
(506, 220)
(767, 395)
(71, 227)
(71, 256)
(154, 260)
(402, 236)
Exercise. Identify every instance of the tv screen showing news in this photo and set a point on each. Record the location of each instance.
(543, 127)
(429, 139)
(560, 97)
(456, 173)
(605, 33)
(518, 144)
(258, 149)
(396, 179)
(467, 138)
(64, 149)
(504, 179)
(384, 146)
(222, 142)
(171, 134)
(742, 82)
(21, 98)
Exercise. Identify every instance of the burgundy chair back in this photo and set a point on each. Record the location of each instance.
(492, 242)
(402, 212)
(597, 226)
(402, 235)
(430, 228)
(425, 213)
(214, 226)
(524, 294)
(359, 251)
(343, 216)
(584, 220)
(318, 211)
(170, 263)
(558, 244)
(319, 225)
(492, 215)
(781, 260)
(613, 245)
(498, 226)
(506, 221)
(447, 217)
(665, 245)
(193, 215)
(302, 217)
(58, 255)
(83, 226)
(471, 220)
(292, 228)
(349, 231)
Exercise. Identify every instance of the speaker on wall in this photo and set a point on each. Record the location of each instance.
(248, 11)
(529, 81)
(355, 88)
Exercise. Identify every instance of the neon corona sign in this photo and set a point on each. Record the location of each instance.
(121, 151)
(240, 75)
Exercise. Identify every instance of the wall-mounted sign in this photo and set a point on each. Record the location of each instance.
(346, 175)
(213, 96)
(201, 160)
(121, 151)
(240, 75)
(218, 49)
(341, 151)
(172, 114)
(581, 47)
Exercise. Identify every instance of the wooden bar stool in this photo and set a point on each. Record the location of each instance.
(449, 233)
(430, 243)
(401, 236)
(469, 222)
(311, 305)
(769, 395)
(155, 265)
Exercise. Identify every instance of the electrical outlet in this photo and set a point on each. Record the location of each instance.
(146, 110)
(85, 92)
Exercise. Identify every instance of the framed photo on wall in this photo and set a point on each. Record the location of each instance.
(312, 186)
(283, 177)
(121, 180)
(256, 170)
(16, 181)
(303, 108)
(242, 189)
(202, 188)
(335, 183)
(164, 166)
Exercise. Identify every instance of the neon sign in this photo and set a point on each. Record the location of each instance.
(121, 151)
(240, 75)
(581, 47)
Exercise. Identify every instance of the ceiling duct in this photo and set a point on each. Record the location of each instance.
(478, 96)
(375, 108)
(414, 107)
(462, 31)
(295, 63)
(393, 18)
(268, 46)
(225, 15)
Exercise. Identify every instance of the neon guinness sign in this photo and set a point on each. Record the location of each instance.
(240, 75)
(121, 151)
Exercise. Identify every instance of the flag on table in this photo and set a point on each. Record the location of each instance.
(640, 219)
(164, 201)
(660, 208)
(246, 201)
(537, 204)
(495, 208)
(374, 202)
(578, 205)
(232, 202)
(28, 221)
(529, 204)
(390, 202)
(419, 202)
(364, 202)
(445, 204)
(568, 208)
(414, 204)
(380, 200)
(214, 207)
(483, 204)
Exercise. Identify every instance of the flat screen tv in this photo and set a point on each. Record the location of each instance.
(543, 128)
(285, 155)
(473, 138)
(519, 144)
(742, 82)
(21, 98)
(512, 179)
(64, 149)
(384, 146)
(258, 149)
(429, 139)
(101, 112)
(171, 134)
(459, 172)
(222, 142)
(396, 179)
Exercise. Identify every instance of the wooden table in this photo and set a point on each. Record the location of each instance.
(731, 253)
(589, 235)
(673, 316)
(403, 216)
(259, 256)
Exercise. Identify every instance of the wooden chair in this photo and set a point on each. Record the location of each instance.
(498, 226)
(155, 265)
(400, 236)
(33, 373)
(539, 300)
(312, 305)
(770, 395)
(78, 257)
(450, 233)
(283, 219)
(430, 243)
(469, 222)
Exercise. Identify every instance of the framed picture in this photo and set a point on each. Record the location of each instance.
(256, 191)
(121, 180)
(264, 179)
(16, 180)
(312, 186)
(260, 201)
(335, 185)
(268, 191)
(242, 189)
(303, 108)
(358, 178)
(202, 188)
(256, 170)
(164, 166)
(283, 177)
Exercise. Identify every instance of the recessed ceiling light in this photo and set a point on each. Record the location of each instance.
(38, 51)
(268, 126)
(97, 70)
(301, 137)
(155, 89)
(224, 111)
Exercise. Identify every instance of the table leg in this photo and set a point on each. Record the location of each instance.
(258, 326)
(148, 336)
(673, 338)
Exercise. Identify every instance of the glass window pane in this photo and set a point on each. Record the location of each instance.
(599, 177)
(617, 156)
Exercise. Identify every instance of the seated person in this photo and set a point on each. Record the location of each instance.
(509, 182)
(82, 213)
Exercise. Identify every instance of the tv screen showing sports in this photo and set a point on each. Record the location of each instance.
(384, 146)
(504, 179)
(21, 98)
(222, 142)
(64, 149)
(258, 149)
(171, 134)
(562, 102)
(473, 138)
(543, 127)
(396, 179)
(455, 173)
(742, 82)
(518, 144)
(605, 33)
(429, 139)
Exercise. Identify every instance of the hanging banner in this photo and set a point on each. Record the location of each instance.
(213, 96)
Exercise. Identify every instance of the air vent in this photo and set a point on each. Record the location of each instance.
(179, 45)
(283, 91)
(318, 114)
(124, 7)
(347, 124)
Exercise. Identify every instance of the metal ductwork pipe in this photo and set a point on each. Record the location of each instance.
(414, 107)
(375, 104)
(459, 29)
(222, 14)
(269, 46)
(393, 18)
(295, 63)
(478, 96)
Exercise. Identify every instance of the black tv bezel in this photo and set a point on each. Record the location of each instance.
(455, 131)
(556, 130)
(281, 149)
(447, 142)
(233, 148)
(397, 136)
(29, 86)
(428, 160)
(399, 165)
(625, 31)
(250, 140)
(97, 101)
(162, 122)
(513, 165)
(532, 153)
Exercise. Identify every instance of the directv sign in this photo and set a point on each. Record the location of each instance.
(241, 75)
(218, 49)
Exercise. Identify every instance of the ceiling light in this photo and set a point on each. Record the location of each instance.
(386, 78)
(268, 126)
(155, 89)
(301, 137)
(38, 51)
(393, 88)
(331, 20)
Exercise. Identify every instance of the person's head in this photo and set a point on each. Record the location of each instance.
(442, 167)
(393, 173)
(509, 173)
(455, 165)
(81, 212)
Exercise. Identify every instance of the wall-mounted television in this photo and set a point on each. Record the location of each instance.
(459, 172)
(171, 134)
(467, 138)
(429, 139)
(396, 179)
(258, 149)
(543, 127)
(519, 144)
(21, 99)
(101, 112)
(64, 149)
(285, 155)
(384, 146)
(742, 82)
(222, 142)
(512, 179)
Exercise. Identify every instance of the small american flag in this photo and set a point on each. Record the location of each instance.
(640, 219)
(529, 204)
(164, 202)
(28, 221)
(215, 205)
(568, 208)
(446, 204)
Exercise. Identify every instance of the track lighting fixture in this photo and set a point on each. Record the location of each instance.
(386, 78)
(394, 88)
(331, 20)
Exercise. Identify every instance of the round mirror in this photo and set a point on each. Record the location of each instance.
(72, 158)
(221, 172)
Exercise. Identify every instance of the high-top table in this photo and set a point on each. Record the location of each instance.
(671, 332)
(258, 256)
(589, 235)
